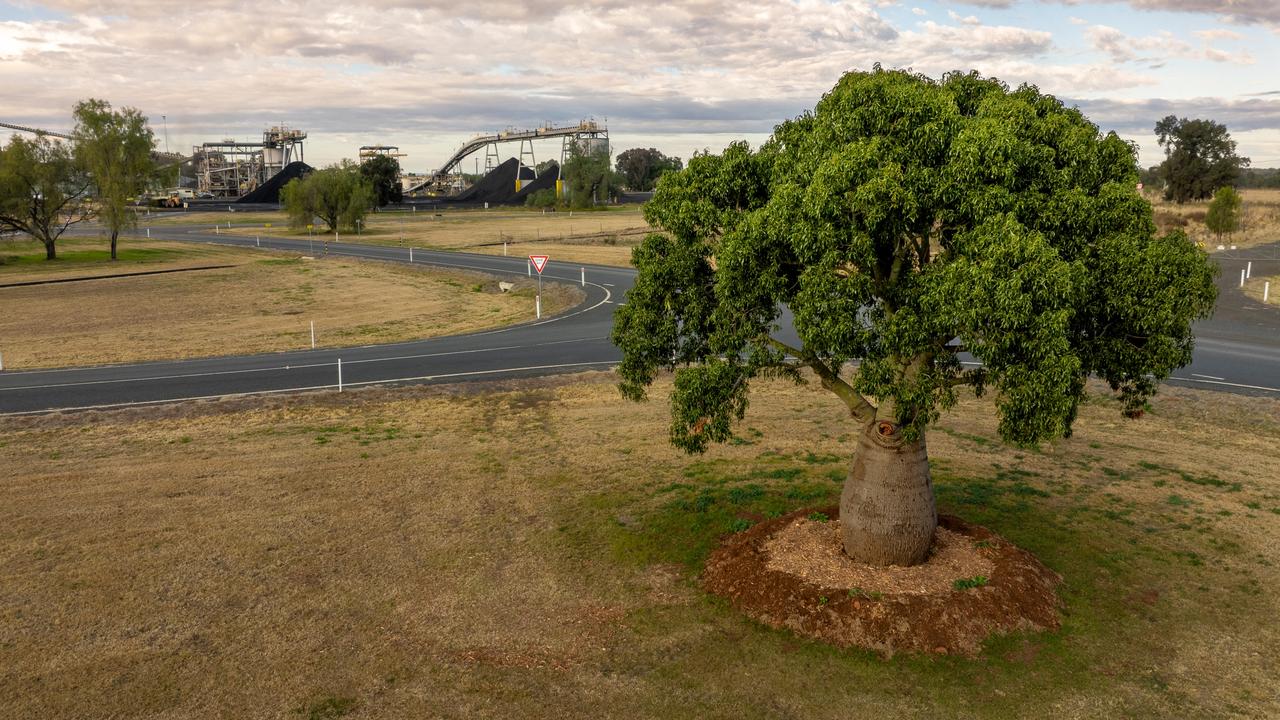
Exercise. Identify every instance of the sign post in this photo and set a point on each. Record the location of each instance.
(539, 263)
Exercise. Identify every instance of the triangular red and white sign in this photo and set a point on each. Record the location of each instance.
(539, 262)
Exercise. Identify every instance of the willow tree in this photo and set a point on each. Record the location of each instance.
(114, 146)
(905, 222)
(339, 195)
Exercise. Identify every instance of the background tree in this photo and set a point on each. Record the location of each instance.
(382, 172)
(42, 189)
(906, 221)
(542, 199)
(339, 195)
(115, 149)
(1199, 158)
(1224, 212)
(640, 167)
(588, 176)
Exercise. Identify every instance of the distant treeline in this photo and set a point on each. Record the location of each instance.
(1249, 178)
(1260, 178)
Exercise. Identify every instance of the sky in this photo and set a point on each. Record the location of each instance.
(426, 75)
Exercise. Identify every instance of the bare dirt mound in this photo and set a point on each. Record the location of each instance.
(791, 573)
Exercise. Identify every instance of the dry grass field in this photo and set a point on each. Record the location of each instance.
(603, 237)
(530, 550)
(263, 302)
(1260, 219)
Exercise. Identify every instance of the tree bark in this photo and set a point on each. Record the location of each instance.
(887, 511)
(50, 253)
(114, 234)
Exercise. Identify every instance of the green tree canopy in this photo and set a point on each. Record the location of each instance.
(338, 195)
(905, 221)
(382, 172)
(1199, 158)
(588, 176)
(641, 167)
(1224, 212)
(115, 148)
(42, 189)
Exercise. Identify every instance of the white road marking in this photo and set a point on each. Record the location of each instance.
(229, 396)
(1229, 384)
(303, 366)
(1210, 377)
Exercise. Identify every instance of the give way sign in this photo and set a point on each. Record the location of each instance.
(539, 262)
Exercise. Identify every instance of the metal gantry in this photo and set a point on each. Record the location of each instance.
(444, 178)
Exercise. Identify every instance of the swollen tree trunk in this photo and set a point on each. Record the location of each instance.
(887, 511)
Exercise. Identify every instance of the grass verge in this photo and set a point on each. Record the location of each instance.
(530, 549)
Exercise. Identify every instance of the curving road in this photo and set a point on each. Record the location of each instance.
(575, 340)
(1238, 350)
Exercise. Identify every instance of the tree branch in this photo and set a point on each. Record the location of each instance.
(858, 406)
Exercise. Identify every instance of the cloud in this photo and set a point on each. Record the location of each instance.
(978, 42)
(919, 11)
(1242, 12)
(1140, 116)
(1155, 49)
(431, 73)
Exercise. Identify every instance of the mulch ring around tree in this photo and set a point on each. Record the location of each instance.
(791, 573)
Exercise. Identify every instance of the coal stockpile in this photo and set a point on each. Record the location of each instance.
(498, 187)
(269, 191)
(545, 181)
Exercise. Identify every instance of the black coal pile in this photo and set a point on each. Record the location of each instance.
(269, 191)
(499, 186)
(545, 181)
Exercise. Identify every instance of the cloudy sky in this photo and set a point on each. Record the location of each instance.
(427, 75)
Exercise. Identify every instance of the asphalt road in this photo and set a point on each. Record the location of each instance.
(1238, 350)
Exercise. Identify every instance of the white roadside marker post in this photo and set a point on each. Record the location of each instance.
(1, 362)
(257, 241)
(1266, 290)
(1241, 277)
(313, 334)
(584, 277)
(216, 230)
(339, 374)
(1248, 270)
(148, 232)
(410, 254)
(538, 304)
(529, 267)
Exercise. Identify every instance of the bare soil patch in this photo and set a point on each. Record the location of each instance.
(893, 609)
(811, 550)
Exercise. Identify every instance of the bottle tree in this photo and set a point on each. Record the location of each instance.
(906, 221)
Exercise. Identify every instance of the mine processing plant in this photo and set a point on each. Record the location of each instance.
(448, 176)
(229, 169)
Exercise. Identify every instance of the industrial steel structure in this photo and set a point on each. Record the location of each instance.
(372, 151)
(37, 131)
(229, 169)
(448, 177)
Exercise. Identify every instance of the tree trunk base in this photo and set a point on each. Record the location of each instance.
(887, 510)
